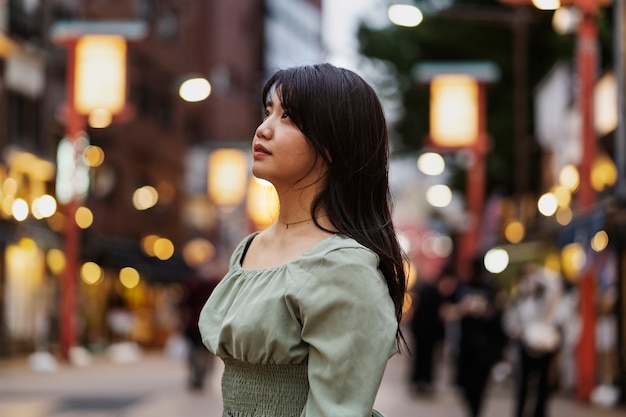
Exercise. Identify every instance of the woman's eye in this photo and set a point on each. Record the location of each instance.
(285, 116)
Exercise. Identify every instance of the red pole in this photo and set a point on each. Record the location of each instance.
(587, 56)
(587, 59)
(73, 127)
(475, 190)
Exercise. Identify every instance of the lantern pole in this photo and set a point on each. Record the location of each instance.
(587, 57)
(475, 190)
(474, 142)
(74, 125)
(68, 34)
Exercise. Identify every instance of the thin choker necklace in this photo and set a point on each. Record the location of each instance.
(298, 222)
(292, 223)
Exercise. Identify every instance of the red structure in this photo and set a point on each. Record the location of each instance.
(586, 61)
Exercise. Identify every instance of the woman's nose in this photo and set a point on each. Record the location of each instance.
(264, 131)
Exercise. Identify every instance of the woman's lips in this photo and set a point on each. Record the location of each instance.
(259, 151)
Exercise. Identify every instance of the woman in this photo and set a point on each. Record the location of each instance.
(307, 316)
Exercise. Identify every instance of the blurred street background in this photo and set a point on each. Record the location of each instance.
(125, 184)
(155, 386)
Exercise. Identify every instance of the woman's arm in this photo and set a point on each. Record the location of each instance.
(349, 322)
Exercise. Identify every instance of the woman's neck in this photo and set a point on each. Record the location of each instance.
(295, 205)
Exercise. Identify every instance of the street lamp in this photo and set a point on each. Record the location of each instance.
(96, 82)
(458, 123)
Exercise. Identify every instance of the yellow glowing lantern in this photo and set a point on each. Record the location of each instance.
(454, 110)
(227, 177)
(100, 77)
(546, 4)
(262, 204)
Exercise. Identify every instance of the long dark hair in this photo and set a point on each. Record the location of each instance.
(343, 120)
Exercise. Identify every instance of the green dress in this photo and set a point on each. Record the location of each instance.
(309, 338)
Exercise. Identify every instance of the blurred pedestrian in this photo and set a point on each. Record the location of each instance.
(532, 321)
(199, 359)
(428, 330)
(307, 316)
(120, 319)
(473, 304)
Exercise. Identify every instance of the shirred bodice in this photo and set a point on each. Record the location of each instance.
(263, 390)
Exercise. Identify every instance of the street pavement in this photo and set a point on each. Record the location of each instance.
(154, 385)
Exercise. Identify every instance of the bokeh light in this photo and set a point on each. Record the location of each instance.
(431, 163)
(194, 89)
(55, 258)
(600, 241)
(514, 231)
(83, 217)
(19, 209)
(405, 15)
(198, 251)
(91, 273)
(569, 177)
(439, 195)
(145, 197)
(163, 248)
(548, 204)
(496, 260)
(129, 277)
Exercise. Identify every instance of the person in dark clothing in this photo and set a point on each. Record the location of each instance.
(473, 305)
(199, 359)
(428, 331)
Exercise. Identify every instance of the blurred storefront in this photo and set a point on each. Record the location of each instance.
(143, 224)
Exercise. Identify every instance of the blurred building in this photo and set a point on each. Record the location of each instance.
(158, 143)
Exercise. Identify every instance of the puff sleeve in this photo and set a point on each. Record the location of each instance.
(348, 321)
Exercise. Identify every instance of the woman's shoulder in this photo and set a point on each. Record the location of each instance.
(339, 268)
(342, 248)
(335, 256)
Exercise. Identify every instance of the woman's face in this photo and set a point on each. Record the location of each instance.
(281, 152)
